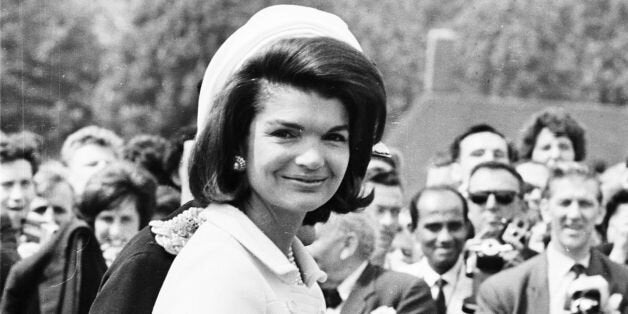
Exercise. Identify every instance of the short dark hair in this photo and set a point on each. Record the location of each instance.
(494, 165)
(559, 122)
(23, 145)
(323, 65)
(387, 178)
(167, 201)
(114, 183)
(149, 151)
(175, 152)
(619, 198)
(454, 148)
(571, 169)
(414, 209)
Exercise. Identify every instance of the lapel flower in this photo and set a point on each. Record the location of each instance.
(173, 234)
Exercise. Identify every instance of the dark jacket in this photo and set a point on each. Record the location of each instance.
(378, 287)
(524, 289)
(62, 277)
(133, 281)
(8, 250)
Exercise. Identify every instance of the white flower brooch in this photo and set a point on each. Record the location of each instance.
(173, 234)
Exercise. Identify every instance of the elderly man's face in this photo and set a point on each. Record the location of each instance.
(493, 196)
(326, 250)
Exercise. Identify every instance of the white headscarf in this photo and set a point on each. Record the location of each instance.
(266, 26)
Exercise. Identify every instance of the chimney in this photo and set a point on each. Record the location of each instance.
(440, 61)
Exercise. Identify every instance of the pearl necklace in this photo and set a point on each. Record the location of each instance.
(291, 259)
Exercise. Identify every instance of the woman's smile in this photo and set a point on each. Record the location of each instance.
(309, 182)
(298, 149)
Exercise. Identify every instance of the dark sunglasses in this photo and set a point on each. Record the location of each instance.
(501, 197)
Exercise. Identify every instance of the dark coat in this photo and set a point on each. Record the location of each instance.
(132, 282)
(8, 250)
(62, 277)
(379, 287)
(524, 289)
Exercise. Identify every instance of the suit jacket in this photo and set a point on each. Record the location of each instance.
(132, 282)
(524, 289)
(463, 288)
(379, 287)
(61, 277)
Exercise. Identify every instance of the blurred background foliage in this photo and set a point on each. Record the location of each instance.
(134, 65)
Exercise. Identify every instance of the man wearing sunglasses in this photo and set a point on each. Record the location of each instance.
(549, 283)
(494, 197)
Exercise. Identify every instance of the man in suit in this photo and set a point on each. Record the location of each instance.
(384, 211)
(440, 223)
(354, 285)
(541, 285)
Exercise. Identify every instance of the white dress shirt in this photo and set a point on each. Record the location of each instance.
(345, 288)
(559, 276)
(458, 286)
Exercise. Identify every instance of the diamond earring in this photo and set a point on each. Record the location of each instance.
(239, 164)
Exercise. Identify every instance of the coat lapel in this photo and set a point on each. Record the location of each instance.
(538, 288)
(362, 294)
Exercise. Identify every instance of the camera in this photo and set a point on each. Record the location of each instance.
(586, 302)
(486, 255)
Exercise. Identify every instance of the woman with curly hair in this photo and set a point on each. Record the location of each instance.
(552, 135)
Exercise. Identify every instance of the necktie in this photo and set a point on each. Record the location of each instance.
(332, 298)
(577, 270)
(441, 307)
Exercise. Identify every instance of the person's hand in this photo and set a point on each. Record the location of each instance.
(38, 229)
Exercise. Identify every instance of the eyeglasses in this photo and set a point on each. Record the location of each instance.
(501, 197)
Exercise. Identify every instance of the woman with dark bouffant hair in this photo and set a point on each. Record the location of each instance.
(289, 134)
(289, 110)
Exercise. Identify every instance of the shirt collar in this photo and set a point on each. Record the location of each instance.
(559, 263)
(234, 222)
(430, 276)
(344, 289)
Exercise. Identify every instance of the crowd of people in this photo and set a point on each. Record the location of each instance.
(285, 200)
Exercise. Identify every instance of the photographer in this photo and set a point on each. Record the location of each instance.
(569, 273)
(497, 212)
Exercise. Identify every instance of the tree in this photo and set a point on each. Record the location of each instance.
(571, 50)
(151, 80)
(50, 64)
(170, 43)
